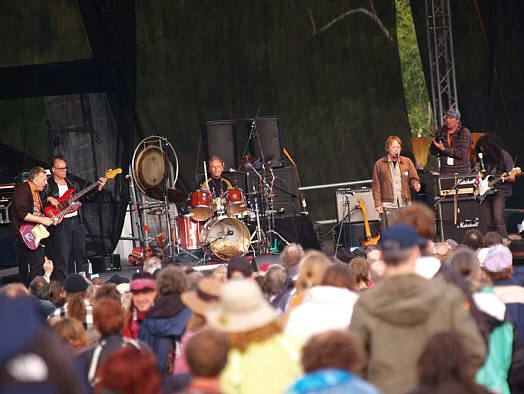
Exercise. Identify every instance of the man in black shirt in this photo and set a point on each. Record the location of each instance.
(496, 162)
(215, 183)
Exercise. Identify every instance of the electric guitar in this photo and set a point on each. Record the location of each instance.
(370, 239)
(486, 186)
(32, 234)
(69, 201)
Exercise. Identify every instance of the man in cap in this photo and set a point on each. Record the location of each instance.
(498, 267)
(395, 318)
(451, 144)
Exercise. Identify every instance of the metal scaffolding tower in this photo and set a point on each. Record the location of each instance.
(441, 58)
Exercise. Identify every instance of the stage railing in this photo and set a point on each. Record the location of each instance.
(331, 186)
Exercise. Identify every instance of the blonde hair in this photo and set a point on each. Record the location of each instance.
(311, 269)
(390, 140)
(70, 331)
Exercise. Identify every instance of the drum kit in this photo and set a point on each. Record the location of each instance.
(200, 226)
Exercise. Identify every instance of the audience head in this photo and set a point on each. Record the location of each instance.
(206, 352)
(40, 288)
(420, 216)
(465, 261)
(239, 268)
(344, 255)
(333, 349)
(274, 280)
(193, 278)
(12, 290)
(143, 290)
(108, 317)
(151, 264)
(71, 332)
(311, 269)
(56, 293)
(244, 313)
(129, 370)
(492, 238)
(291, 255)
(220, 273)
(498, 263)
(75, 284)
(473, 240)
(360, 268)
(444, 359)
(339, 275)
(171, 280)
(400, 245)
(107, 290)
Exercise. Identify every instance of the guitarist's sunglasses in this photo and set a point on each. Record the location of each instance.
(60, 168)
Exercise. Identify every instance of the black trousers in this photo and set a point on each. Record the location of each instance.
(492, 215)
(69, 247)
(30, 262)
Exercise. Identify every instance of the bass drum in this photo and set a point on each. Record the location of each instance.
(227, 237)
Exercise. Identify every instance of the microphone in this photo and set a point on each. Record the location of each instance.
(397, 154)
(229, 233)
(481, 157)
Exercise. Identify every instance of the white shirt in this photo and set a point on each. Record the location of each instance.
(61, 191)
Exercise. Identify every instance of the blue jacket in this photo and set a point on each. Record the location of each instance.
(161, 329)
(511, 292)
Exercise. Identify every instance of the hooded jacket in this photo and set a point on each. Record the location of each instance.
(163, 326)
(396, 318)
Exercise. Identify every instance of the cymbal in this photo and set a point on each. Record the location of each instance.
(173, 195)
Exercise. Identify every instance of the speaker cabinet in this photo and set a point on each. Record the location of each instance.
(285, 189)
(352, 233)
(468, 218)
(220, 140)
(347, 199)
(268, 129)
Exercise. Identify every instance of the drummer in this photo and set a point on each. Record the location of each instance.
(216, 184)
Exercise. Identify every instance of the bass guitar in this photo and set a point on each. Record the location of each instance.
(486, 185)
(369, 239)
(69, 201)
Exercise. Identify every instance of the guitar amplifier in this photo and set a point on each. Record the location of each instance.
(466, 187)
(347, 199)
(468, 218)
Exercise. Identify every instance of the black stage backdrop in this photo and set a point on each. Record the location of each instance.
(488, 37)
(338, 92)
(329, 69)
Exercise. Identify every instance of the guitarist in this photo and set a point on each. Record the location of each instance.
(393, 177)
(69, 237)
(27, 207)
(497, 162)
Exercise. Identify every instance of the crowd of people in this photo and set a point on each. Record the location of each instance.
(405, 316)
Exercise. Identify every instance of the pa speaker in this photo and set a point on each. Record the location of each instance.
(268, 129)
(220, 140)
(467, 218)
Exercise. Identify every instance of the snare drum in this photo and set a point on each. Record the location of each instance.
(201, 204)
(188, 231)
(235, 202)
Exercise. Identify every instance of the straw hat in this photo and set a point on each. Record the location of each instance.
(205, 296)
(241, 307)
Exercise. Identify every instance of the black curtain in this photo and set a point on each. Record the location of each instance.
(488, 39)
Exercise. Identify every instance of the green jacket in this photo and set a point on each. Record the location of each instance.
(494, 373)
(396, 318)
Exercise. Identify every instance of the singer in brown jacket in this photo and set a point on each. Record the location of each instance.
(393, 177)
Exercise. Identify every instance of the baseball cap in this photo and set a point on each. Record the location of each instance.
(452, 113)
(498, 258)
(400, 236)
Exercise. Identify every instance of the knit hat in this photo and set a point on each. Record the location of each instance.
(75, 284)
(498, 259)
(205, 295)
(241, 307)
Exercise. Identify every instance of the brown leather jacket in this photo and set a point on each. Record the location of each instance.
(383, 185)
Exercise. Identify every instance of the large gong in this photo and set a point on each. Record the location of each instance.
(153, 162)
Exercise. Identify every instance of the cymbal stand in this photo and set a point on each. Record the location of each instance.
(260, 236)
(271, 212)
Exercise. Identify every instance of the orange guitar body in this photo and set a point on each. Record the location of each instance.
(370, 239)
